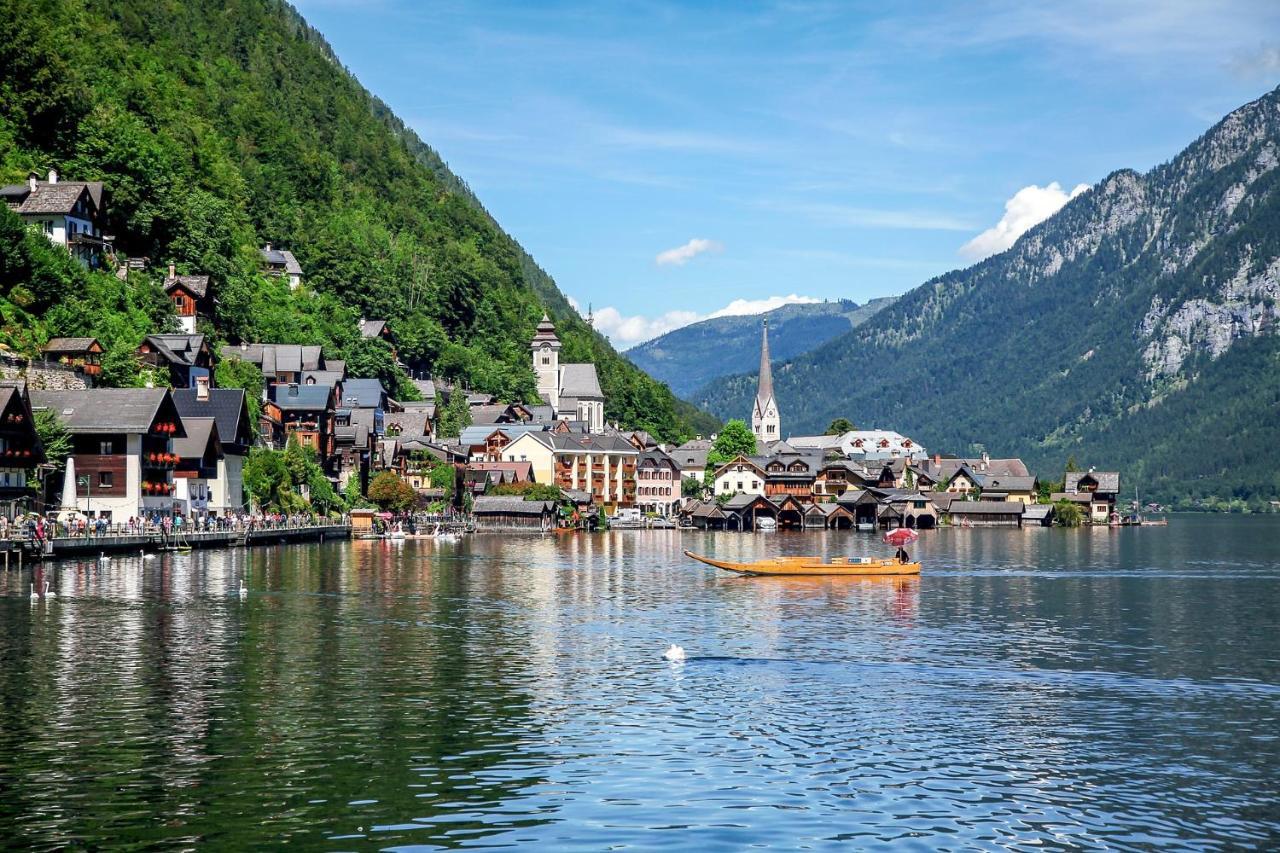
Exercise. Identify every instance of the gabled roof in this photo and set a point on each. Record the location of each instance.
(282, 258)
(363, 394)
(986, 507)
(60, 197)
(504, 505)
(580, 381)
(274, 359)
(309, 398)
(197, 284)
(1008, 484)
(754, 462)
(487, 414)
(1108, 481)
(177, 349)
(109, 410)
(70, 346)
(372, 328)
(227, 407)
(201, 439)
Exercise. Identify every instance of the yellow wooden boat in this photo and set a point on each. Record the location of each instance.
(858, 566)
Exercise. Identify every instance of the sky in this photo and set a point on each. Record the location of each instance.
(666, 162)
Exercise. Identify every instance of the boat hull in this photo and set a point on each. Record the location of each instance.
(793, 566)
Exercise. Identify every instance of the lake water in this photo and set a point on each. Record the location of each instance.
(1034, 687)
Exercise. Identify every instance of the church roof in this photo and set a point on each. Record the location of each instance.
(580, 381)
(765, 391)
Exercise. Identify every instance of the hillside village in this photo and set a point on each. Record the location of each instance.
(181, 447)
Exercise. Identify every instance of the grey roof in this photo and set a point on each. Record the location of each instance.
(542, 413)
(200, 433)
(197, 284)
(986, 508)
(487, 414)
(105, 410)
(705, 509)
(69, 345)
(57, 198)
(323, 377)
(580, 381)
(1008, 484)
(426, 387)
(1108, 481)
(372, 328)
(177, 349)
(225, 405)
(277, 358)
(1037, 512)
(764, 392)
(741, 501)
(282, 258)
(589, 443)
(363, 393)
(504, 505)
(307, 398)
(477, 433)
(410, 422)
(657, 458)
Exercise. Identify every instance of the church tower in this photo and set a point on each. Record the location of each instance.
(765, 420)
(546, 362)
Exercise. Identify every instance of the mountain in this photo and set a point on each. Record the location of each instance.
(1136, 329)
(220, 125)
(692, 356)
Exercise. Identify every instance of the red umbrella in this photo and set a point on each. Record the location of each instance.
(901, 537)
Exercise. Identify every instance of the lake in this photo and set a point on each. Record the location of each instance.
(1037, 687)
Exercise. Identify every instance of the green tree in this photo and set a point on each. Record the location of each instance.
(690, 488)
(839, 427)
(454, 416)
(1068, 514)
(352, 496)
(389, 491)
(735, 439)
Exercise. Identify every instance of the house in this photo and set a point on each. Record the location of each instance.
(986, 513)
(493, 512)
(366, 394)
(863, 505)
(121, 463)
(739, 476)
(281, 263)
(572, 390)
(69, 213)
(863, 444)
(838, 476)
(1037, 515)
(82, 354)
(996, 487)
(706, 515)
(184, 358)
(229, 409)
(691, 457)
(743, 511)
(307, 412)
(657, 483)
(354, 440)
(791, 474)
(478, 477)
(943, 468)
(909, 508)
(199, 454)
(20, 449)
(375, 329)
(1101, 487)
(190, 297)
(279, 363)
(604, 465)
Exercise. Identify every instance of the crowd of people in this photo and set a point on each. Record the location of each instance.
(38, 528)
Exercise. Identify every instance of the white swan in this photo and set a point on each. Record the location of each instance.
(34, 596)
(243, 589)
(675, 654)
(47, 592)
(147, 556)
(103, 558)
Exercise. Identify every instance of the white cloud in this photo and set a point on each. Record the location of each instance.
(681, 255)
(626, 331)
(740, 307)
(1028, 207)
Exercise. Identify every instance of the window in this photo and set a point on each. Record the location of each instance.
(106, 448)
(106, 479)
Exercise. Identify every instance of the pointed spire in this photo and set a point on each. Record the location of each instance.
(765, 392)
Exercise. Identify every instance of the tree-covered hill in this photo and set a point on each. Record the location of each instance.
(690, 357)
(221, 126)
(1136, 329)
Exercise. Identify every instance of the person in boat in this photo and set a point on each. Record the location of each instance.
(903, 556)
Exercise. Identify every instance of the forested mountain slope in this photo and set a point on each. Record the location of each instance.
(1135, 329)
(219, 126)
(690, 357)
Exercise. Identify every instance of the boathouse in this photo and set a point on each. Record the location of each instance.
(493, 512)
(986, 513)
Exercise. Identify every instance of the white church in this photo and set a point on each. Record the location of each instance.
(766, 422)
(571, 390)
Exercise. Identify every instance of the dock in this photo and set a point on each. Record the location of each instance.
(72, 547)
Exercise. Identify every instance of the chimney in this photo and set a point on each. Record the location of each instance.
(293, 389)
(986, 460)
(202, 388)
(173, 271)
(53, 176)
(937, 459)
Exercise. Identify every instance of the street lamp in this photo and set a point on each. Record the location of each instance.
(88, 492)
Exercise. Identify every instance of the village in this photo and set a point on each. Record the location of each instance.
(179, 448)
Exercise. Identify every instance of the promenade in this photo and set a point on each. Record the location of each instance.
(155, 538)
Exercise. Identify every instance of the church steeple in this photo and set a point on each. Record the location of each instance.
(766, 423)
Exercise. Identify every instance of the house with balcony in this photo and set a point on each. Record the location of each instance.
(602, 465)
(305, 412)
(1095, 491)
(184, 358)
(283, 363)
(657, 482)
(122, 459)
(83, 355)
(280, 263)
(190, 297)
(20, 450)
(740, 476)
(199, 454)
(229, 409)
(69, 213)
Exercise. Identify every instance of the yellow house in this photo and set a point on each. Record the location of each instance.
(535, 448)
(1024, 490)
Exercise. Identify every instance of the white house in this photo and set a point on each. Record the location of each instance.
(740, 476)
(69, 213)
(869, 444)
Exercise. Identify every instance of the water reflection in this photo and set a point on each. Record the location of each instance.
(1038, 686)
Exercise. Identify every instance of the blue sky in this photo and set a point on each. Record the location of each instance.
(664, 160)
